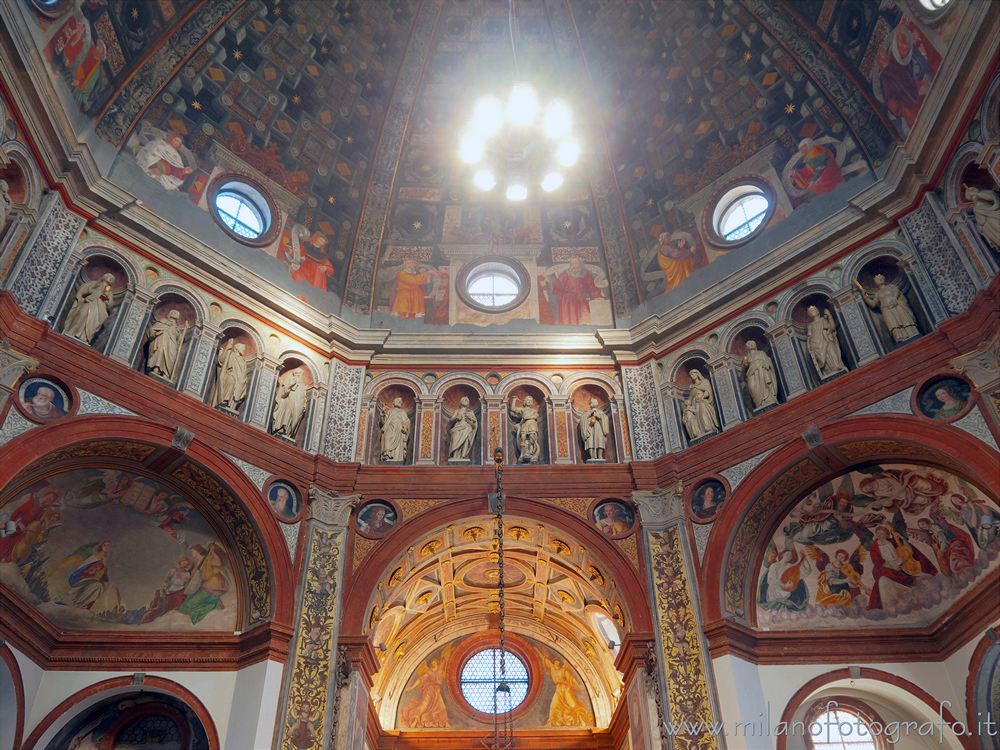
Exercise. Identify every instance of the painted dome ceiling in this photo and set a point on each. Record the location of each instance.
(348, 115)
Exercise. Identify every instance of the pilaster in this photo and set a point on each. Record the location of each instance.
(427, 421)
(859, 337)
(790, 367)
(725, 374)
(564, 446)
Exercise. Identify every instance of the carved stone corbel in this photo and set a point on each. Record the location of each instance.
(660, 506)
(331, 508)
(13, 365)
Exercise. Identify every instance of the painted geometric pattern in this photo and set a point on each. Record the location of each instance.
(939, 256)
(898, 403)
(341, 430)
(13, 426)
(52, 245)
(256, 475)
(646, 430)
(736, 474)
(702, 531)
(974, 424)
(91, 404)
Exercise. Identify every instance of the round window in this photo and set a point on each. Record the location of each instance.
(243, 211)
(740, 213)
(485, 689)
(492, 284)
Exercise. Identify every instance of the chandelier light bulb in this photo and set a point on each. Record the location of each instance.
(551, 182)
(487, 116)
(523, 104)
(471, 149)
(557, 120)
(517, 191)
(484, 179)
(568, 152)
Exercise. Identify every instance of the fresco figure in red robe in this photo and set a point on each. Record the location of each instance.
(310, 264)
(818, 171)
(407, 299)
(575, 288)
(894, 559)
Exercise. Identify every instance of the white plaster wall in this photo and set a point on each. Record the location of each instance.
(243, 705)
(751, 694)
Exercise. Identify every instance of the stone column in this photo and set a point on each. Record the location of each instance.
(564, 447)
(308, 702)
(314, 418)
(205, 342)
(859, 339)
(426, 436)
(791, 370)
(263, 397)
(683, 663)
(673, 403)
(13, 365)
(129, 328)
(725, 374)
(355, 678)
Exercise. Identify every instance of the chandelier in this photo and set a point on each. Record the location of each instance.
(519, 143)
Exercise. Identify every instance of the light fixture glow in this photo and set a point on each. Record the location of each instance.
(568, 152)
(471, 149)
(523, 104)
(516, 191)
(487, 116)
(551, 182)
(484, 179)
(557, 121)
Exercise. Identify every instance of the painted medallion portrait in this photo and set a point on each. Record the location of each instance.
(43, 399)
(707, 499)
(944, 398)
(613, 518)
(376, 518)
(284, 500)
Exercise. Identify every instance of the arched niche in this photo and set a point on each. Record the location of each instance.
(595, 435)
(462, 425)
(696, 402)
(290, 411)
(393, 425)
(527, 437)
(820, 337)
(168, 337)
(235, 355)
(897, 318)
(760, 384)
(95, 301)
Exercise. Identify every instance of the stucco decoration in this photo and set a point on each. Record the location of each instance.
(660, 506)
(891, 544)
(330, 508)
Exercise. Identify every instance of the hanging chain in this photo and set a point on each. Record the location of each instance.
(503, 735)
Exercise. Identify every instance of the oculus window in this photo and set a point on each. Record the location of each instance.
(480, 680)
(740, 213)
(243, 211)
(493, 284)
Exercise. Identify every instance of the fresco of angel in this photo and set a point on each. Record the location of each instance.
(839, 578)
(952, 546)
(783, 586)
(427, 708)
(566, 709)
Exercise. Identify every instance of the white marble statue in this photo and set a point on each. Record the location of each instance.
(165, 337)
(761, 381)
(594, 428)
(895, 309)
(230, 386)
(6, 204)
(824, 346)
(289, 405)
(986, 209)
(92, 305)
(395, 431)
(529, 447)
(464, 427)
(699, 410)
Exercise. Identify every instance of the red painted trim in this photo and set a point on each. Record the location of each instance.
(23, 450)
(157, 683)
(804, 692)
(8, 658)
(975, 663)
(359, 584)
(964, 451)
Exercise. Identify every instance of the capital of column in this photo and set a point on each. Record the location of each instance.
(329, 507)
(360, 657)
(660, 506)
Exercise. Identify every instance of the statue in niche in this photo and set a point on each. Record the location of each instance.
(986, 209)
(6, 204)
(824, 346)
(529, 448)
(395, 431)
(464, 427)
(594, 428)
(92, 305)
(761, 382)
(230, 387)
(166, 339)
(895, 309)
(289, 406)
(699, 410)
